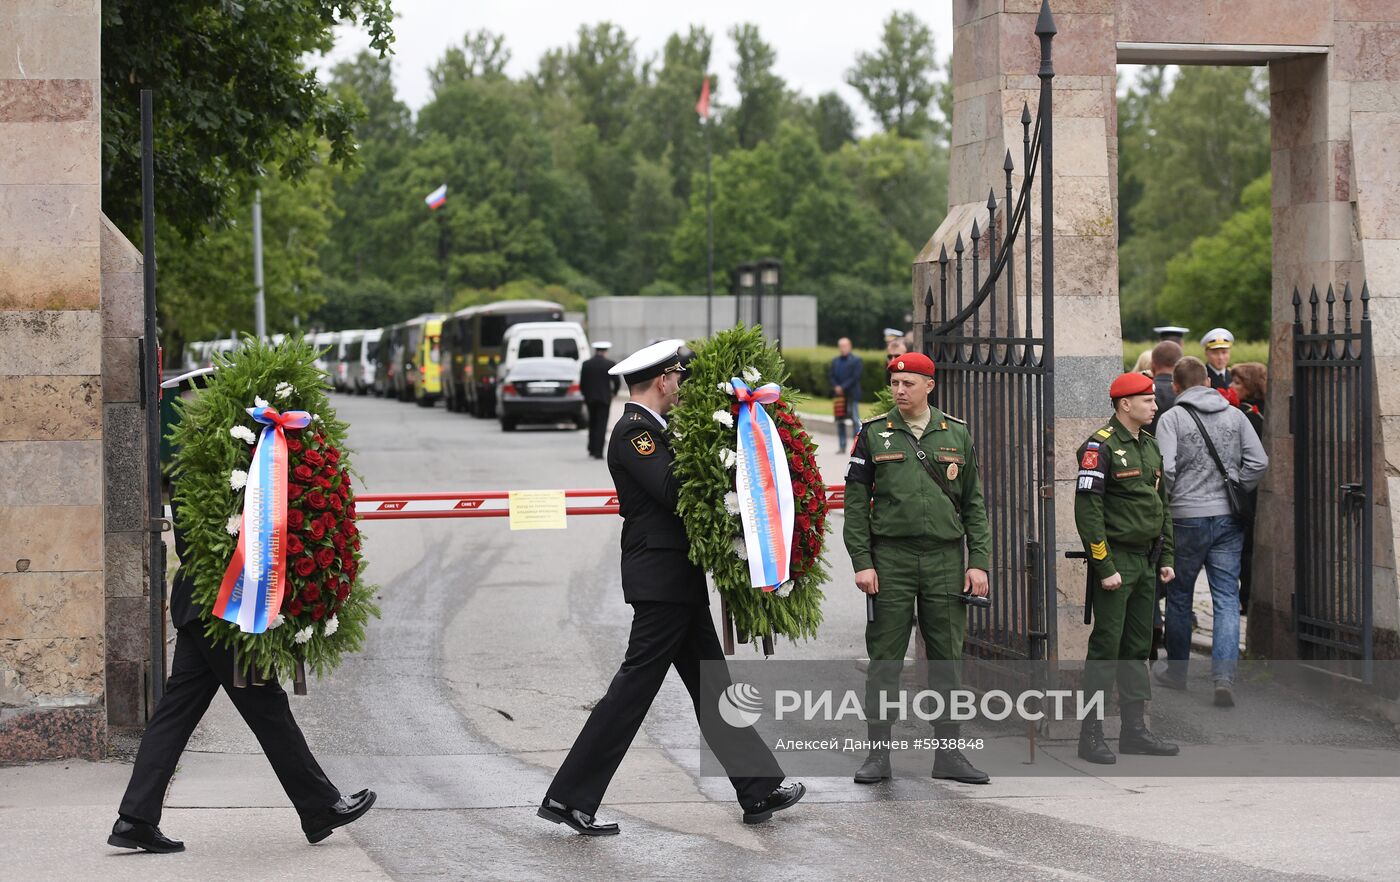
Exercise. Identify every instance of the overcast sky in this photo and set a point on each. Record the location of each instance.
(816, 42)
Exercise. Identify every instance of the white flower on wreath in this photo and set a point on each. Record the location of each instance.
(244, 434)
(237, 479)
(278, 621)
(233, 524)
(332, 625)
(315, 418)
(752, 376)
(259, 401)
(283, 390)
(784, 589)
(728, 458)
(741, 549)
(726, 388)
(724, 418)
(731, 502)
(304, 635)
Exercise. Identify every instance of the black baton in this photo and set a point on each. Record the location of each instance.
(870, 607)
(1088, 583)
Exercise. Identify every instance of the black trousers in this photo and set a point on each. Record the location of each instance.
(197, 672)
(663, 635)
(597, 426)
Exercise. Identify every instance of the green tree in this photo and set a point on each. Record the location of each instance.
(1204, 141)
(653, 212)
(232, 97)
(482, 55)
(898, 80)
(666, 127)
(206, 285)
(1225, 279)
(762, 93)
(859, 309)
(831, 118)
(903, 179)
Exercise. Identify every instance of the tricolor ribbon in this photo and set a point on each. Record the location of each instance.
(256, 577)
(764, 488)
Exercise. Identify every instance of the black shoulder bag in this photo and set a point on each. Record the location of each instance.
(1240, 499)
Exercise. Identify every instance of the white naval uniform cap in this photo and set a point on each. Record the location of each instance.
(1217, 338)
(650, 361)
(602, 344)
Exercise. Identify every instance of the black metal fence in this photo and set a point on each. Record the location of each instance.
(1331, 418)
(994, 354)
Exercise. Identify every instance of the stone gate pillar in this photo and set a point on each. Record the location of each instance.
(72, 518)
(996, 58)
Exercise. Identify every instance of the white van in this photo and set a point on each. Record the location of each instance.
(345, 360)
(538, 375)
(369, 349)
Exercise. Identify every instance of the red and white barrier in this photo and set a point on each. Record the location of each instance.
(496, 504)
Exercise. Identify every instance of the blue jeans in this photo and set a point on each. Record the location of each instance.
(853, 417)
(1217, 543)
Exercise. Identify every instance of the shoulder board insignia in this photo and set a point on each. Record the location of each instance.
(874, 419)
(1145, 432)
(955, 419)
(1105, 432)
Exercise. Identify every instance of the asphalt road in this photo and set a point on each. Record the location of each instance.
(494, 645)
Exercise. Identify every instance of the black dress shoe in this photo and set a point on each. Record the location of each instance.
(146, 837)
(785, 796)
(346, 809)
(581, 822)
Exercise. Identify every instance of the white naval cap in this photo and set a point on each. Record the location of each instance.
(1167, 331)
(650, 361)
(602, 344)
(893, 332)
(1217, 338)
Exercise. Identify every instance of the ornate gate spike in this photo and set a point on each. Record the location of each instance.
(1365, 302)
(1297, 306)
(1008, 166)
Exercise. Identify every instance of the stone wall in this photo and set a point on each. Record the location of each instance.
(52, 617)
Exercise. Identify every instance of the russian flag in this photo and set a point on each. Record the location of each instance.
(436, 198)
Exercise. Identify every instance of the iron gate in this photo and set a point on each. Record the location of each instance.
(1331, 420)
(994, 354)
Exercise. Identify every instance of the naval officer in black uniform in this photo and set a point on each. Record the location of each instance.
(598, 387)
(671, 623)
(197, 672)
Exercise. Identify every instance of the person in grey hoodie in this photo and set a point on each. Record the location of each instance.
(1207, 534)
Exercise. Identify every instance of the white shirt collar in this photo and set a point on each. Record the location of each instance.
(659, 418)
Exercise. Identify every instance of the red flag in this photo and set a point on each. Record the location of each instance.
(702, 106)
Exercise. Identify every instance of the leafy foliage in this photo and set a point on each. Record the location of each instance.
(704, 480)
(207, 455)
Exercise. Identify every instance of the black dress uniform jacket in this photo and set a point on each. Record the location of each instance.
(594, 381)
(655, 551)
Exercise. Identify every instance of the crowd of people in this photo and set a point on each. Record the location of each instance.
(1207, 411)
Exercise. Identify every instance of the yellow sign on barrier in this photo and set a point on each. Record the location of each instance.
(537, 510)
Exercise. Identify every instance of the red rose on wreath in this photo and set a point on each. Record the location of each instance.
(317, 530)
(812, 504)
(293, 607)
(313, 459)
(785, 435)
(336, 502)
(329, 520)
(799, 489)
(338, 540)
(294, 445)
(304, 566)
(343, 591)
(294, 545)
(325, 557)
(311, 593)
(317, 500)
(804, 523)
(294, 491)
(319, 612)
(302, 473)
(332, 455)
(294, 518)
(322, 481)
(319, 439)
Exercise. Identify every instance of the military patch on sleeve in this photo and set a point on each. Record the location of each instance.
(1090, 459)
(1099, 550)
(644, 444)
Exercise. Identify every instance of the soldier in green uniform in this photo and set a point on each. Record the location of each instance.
(1121, 512)
(917, 532)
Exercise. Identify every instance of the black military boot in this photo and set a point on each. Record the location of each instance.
(1134, 737)
(1092, 746)
(949, 762)
(876, 767)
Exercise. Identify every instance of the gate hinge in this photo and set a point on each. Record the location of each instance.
(1047, 491)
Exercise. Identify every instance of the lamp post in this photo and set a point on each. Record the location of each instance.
(745, 278)
(770, 271)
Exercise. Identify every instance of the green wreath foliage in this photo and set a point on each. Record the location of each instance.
(205, 458)
(704, 479)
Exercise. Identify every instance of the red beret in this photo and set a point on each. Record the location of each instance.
(1130, 384)
(911, 363)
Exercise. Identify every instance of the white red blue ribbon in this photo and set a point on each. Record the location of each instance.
(256, 578)
(764, 487)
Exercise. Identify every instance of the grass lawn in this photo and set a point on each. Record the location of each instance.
(1242, 351)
